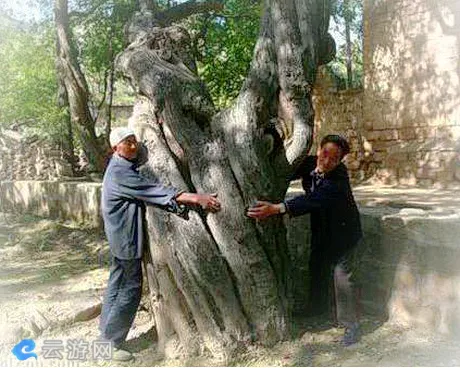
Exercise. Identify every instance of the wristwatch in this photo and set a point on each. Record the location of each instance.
(282, 208)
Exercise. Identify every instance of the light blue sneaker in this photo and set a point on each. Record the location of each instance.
(121, 355)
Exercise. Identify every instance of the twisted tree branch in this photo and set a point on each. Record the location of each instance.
(187, 9)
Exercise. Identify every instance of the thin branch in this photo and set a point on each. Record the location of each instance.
(89, 12)
(104, 94)
(147, 6)
(228, 16)
(187, 9)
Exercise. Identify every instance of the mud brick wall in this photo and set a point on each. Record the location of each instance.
(411, 103)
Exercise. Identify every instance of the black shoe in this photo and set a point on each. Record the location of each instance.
(351, 335)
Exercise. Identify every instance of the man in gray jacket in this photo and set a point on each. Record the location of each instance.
(125, 192)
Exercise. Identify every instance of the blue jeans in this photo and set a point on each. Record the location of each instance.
(121, 299)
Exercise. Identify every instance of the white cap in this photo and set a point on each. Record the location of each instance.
(118, 134)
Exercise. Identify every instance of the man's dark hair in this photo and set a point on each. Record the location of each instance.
(339, 141)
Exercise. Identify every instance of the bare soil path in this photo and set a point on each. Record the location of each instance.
(52, 277)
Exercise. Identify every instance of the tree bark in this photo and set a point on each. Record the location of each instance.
(104, 110)
(186, 9)
(77, 89)
(347, 16)
(67, 139)
(220, 280)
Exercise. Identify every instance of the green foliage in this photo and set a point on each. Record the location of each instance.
(27, 53)
(350, 11)
(28, 80)
(225, 44)
(338, 67)
(98, 29)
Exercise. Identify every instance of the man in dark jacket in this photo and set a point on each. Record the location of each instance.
(125, 192)
(335, 227)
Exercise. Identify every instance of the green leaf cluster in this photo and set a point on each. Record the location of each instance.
(225, 44)
(351, 12)
(28, 81)
(98, 30)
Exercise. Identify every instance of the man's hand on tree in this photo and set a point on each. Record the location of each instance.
(207, 202)
(262, 210)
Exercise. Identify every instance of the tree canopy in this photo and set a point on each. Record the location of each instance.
(28, 80)
(223, 42)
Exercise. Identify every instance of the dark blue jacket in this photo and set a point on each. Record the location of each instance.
(124, 195)
(335, 223)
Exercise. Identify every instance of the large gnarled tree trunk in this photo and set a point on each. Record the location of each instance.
(221, 279)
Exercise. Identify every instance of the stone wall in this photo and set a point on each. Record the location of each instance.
(29, 158)
(409, 267)
(341, 112)
(78, 202)
(407, 264)
(411, 101)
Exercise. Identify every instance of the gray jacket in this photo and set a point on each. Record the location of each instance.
(124, 195)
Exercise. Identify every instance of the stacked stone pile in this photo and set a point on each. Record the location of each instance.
(30, 158)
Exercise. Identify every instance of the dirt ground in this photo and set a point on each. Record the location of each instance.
(52, 277)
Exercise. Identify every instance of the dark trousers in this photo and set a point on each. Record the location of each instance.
(333, 277)
(121, 299)
(320, 283)
(346, 300)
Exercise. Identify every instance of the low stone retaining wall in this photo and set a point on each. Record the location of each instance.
(409, 265)
(74, 201)
(409, 269)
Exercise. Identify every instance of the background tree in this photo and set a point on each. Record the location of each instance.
(100, 26)
(76, 86)
(220, 279)
(348, 26)
(28, 80)
(90, 36)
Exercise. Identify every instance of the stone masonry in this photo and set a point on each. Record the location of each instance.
(341, 112)
(29, 158)
(407, 264)
(411, 103)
